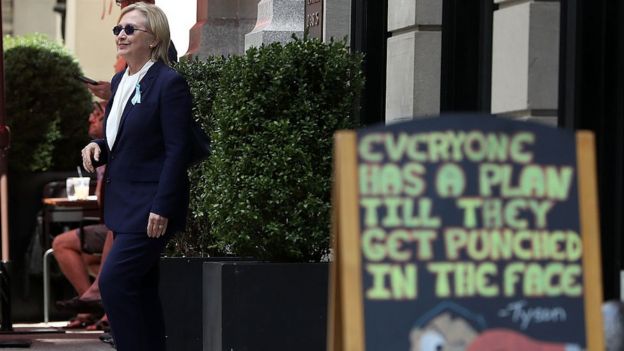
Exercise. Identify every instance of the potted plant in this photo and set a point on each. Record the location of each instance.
(47, 110)
(46, 106)
(265, 190)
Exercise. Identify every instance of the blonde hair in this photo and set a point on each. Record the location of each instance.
(157, 24)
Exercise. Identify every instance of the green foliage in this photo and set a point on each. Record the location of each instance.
(203, 79)
(47, 108)
(265, 190)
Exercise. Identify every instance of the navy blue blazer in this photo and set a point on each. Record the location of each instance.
(146, 167)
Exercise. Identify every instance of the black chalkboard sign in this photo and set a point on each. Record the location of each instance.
(465, 233)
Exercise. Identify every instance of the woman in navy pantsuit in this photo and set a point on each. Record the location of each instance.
(146, 150)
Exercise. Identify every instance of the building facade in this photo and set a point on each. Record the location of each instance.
(553, 62)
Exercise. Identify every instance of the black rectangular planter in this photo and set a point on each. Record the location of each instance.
(181, 293)
(215, 304)
(265, 306)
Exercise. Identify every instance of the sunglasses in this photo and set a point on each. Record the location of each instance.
(128, 29)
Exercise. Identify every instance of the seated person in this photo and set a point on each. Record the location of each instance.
(76, 265)
(89, 303)
(74, 262)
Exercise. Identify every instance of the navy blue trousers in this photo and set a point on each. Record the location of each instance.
(129, 288)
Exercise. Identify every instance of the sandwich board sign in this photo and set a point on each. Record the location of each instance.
(468, 233)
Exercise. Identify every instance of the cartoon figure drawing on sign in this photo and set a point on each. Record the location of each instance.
(447, 327)
(451, 327)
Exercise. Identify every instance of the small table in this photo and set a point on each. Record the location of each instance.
(88, 203)
(64, 210)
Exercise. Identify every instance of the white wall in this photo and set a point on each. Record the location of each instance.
(89, 37)
(182, 15)
(35, 16)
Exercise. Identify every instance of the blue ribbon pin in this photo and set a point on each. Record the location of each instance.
(137, 95)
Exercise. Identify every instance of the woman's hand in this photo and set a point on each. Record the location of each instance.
(156, 225)
(91, 150)
(102, 89)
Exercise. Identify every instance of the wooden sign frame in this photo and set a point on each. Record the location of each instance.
(346, 311)
(590, 232)
(346, 305)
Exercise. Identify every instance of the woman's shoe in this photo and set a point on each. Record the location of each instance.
(102, 324)
(77, 305)
(107, 338)
(81, 321)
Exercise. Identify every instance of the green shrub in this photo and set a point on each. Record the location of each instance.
(265, 191)
(47, 108)
(203, 79)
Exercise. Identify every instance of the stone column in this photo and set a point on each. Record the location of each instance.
(413, 59)
(277, 21)
(221, 27)
(525, 60)
(613, 317)
(7, 17)
(337, 20)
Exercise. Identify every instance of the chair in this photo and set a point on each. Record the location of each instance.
(46, 285)
(63, 216)
(46, 277)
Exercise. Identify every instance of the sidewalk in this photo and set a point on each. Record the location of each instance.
(52, 337)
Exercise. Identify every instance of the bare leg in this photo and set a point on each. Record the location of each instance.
(91, 263)
(93, 292)
(68, 255)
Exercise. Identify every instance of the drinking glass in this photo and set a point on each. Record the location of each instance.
(78, 188)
